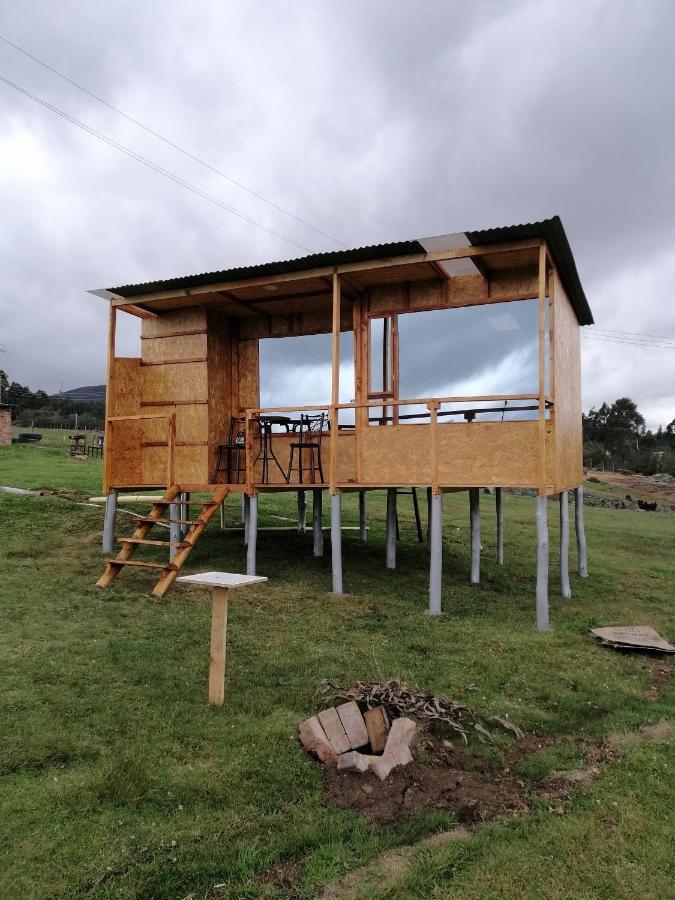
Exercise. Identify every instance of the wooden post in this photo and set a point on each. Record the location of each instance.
(391, 528)
(336, 541)
(218, 645)
(432, 406)
(474, 518)
(335, 385)
(302, 512)
(500, 526)
(581, 532)
(542, 369)
(108, 426)
(252, 534)
(363, 527)
(565, 588)
(542, 564)
(108, 545)
(436, 554)
(317, 520)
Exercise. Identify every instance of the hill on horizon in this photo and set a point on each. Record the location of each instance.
(93, 393)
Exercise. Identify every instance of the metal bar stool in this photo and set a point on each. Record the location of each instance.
(231, 457)
(309, 444)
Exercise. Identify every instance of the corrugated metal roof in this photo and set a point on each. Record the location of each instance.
(550, 229)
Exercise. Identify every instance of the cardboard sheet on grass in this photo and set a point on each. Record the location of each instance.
(633, 637)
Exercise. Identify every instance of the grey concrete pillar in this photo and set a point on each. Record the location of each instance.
(474, 518)
(302, 512)
(336, 541)
(252, 534)
(565, 588)
(317, 521)
(429, 496)
(500, 526)
(436, 553)
(363, 528)
(247, 516)
(175, 530)
(185, 513)
(108, 543)
(581, 532)
(542, 564)
(391, 528)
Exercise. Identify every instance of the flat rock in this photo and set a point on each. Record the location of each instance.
(353, 724)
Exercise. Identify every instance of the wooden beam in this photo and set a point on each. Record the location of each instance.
(335, 383)
(542, 370)
(107, 449)
(346, 268)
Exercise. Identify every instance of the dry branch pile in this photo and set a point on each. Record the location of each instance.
(401, 700)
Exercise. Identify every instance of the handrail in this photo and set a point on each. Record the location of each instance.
(420, 401)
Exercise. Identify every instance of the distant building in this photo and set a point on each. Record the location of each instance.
(5, 424)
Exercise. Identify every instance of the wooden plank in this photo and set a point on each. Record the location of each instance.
(219, 598)
(107, 443)
(174, 323)
(249, 376)
(335, 384)
(167, 383)
(542, 370)
(568, 434)
(433, 456)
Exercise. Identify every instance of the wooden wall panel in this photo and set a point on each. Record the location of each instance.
(125, 460)
(192, 319)
(191, 465)
(476, 454)
(171, 383)
(125, 387)
(186, 346)
(567, 362)
(192, 424)
(219, 380)
(249, 375)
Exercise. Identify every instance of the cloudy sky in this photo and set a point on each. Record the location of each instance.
(373, 121)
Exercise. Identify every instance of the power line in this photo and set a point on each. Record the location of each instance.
(633, 340)
(151, 165)
(635, 333)
(170, 143)
(629, 345)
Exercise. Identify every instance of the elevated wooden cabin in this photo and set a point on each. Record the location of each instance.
(170, 409)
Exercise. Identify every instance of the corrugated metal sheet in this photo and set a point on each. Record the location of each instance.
(550, 229)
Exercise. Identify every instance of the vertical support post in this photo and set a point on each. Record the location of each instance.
(317, 521)
(247, 516)
(171, 451)
(436, 554)
(185, 513)
(108, 426)
(565, 588)
(429, 496)
(108, 545)
(336, 541)
(219, 598)
(542, 564)
(363, 527)
(581, 532)
(252, 534)
(499, 509)
(474, 518)
(335, 383)
(175, 530)
(302, 512)
(391, 528)
(542, 369)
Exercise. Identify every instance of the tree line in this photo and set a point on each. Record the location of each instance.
(615, 437)
(37, 407)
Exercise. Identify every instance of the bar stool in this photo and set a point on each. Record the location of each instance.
(233, 453)
(311, 434)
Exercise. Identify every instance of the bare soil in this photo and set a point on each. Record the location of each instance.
(637, 485)
(440, 778)
(661, 672)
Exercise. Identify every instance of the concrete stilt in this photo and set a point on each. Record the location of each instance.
(246, 516)
(391, 528)
(429, 495)
(108, 543)
(474, 518)
(243, 509)
(581, 532)
(175, 530)
(252, 534)
(317, 520)
(500, 526)
(363, 528)
(565, 588)
(185, 513)
(302, 512)
(336, 541)
(542, 564)
(436, 553)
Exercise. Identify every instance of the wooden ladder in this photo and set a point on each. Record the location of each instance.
(170, 570)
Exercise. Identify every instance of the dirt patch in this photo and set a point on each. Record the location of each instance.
(528, 744)
(284, 874)
(661, 673)
(441, 778)
(637, 485)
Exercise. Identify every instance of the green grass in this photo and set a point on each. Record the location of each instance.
(118, 780)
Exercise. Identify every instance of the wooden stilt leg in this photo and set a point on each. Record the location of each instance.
(581, 531)
(336, 541)
(565, 588)
(542, 564)
(317, 520)
(500, 526)
(474, 517)
(108, 544)
(252, 535)
(391, 528)
(302, 512)
(218, 646)
(436, 554)
(363, 528)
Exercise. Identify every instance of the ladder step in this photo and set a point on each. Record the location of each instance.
(146, 520)
(153, 543)
(140, 565)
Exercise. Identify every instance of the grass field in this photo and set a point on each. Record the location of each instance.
(118, 780)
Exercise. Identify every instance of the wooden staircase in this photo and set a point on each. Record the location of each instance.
(169, 570)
